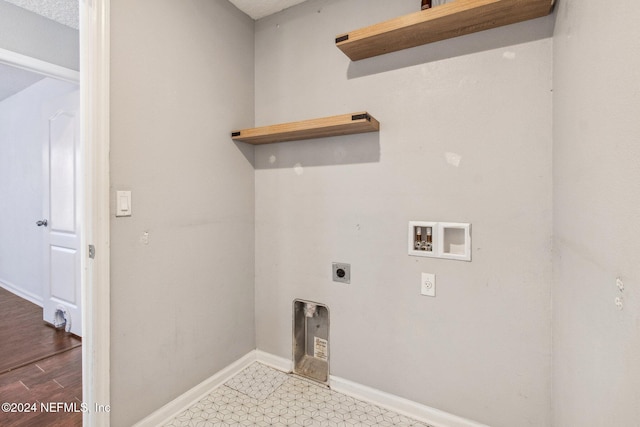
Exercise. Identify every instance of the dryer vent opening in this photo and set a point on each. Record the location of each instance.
(311, 340)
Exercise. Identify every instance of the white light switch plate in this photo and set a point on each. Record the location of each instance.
(428, 284)
(123, 203)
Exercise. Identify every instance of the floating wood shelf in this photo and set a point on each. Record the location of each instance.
(345, 124)
(438, 23)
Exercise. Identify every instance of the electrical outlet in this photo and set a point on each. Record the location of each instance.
(341, 272)
(428, 285)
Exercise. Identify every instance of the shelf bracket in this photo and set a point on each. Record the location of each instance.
(361, 116)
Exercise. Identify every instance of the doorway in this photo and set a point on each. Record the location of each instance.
(24, 126)
(39, 132)
(94, 66)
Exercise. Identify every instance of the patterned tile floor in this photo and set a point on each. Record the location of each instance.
(262, 396)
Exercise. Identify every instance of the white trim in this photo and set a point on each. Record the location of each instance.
(427, 414)
(432, 416)
(16, 290)
(28, 63)
(276, 362)
(94, 107)
(191, 397)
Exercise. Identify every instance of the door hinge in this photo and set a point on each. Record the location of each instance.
(92, 251)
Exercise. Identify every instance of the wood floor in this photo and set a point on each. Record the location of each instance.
(40, 369)
(24, 336)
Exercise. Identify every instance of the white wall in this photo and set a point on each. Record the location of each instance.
(23, 129)
(596, 209)
(35, 36)
(182, 78)
(482, 348)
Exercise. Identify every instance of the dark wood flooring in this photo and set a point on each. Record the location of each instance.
(25, 338)
(41, 377)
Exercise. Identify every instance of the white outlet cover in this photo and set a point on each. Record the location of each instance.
(428, 284)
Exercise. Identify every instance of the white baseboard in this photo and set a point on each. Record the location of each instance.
(426, 414)
(36, 299)
(276, 362)
(193, 396)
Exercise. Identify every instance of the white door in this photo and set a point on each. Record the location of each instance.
(63, 179)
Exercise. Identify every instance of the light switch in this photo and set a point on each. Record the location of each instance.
(123, 203)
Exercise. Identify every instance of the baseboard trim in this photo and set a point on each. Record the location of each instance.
(193, 396)
(276, 362)
(426, 414)
(16, 290)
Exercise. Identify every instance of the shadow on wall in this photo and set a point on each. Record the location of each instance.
(501, 37)
(338, 150)
(247, 151)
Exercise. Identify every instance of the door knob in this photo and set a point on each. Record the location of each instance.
(42, 223)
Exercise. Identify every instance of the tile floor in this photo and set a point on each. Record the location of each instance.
(263, 396)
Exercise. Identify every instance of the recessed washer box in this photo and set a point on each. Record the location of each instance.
(455, 241)
(422, 238)
(448, 240)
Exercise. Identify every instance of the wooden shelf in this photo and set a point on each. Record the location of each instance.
(438, 23)
(345, 124)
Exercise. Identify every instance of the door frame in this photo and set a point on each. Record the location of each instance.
(94, 110)
(47, 69)
(94, 105)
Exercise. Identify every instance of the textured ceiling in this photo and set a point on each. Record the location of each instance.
(260, 8)
(65, 12)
